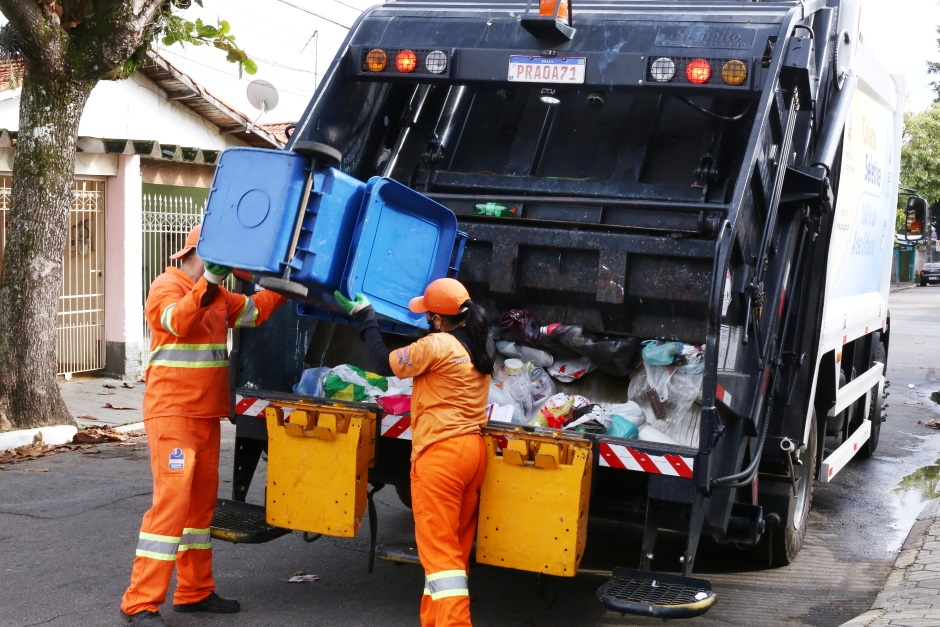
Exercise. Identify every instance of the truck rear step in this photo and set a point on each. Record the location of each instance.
(404, 553)
(245, 523)
(659, 595)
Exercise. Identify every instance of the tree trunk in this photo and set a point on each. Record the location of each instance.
(43, 183)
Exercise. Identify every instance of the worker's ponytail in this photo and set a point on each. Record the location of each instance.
(482, 350)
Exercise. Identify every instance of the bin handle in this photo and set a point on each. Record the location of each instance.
(460, 244)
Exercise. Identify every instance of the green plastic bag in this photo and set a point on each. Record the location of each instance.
(349, 383)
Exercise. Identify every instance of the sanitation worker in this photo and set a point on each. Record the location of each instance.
(187, 394)
(451, 367)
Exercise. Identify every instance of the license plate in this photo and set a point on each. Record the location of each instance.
(525, 69)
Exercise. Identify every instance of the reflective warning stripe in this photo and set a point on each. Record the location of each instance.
(190, 356)
(251, 406)
(248, 316)
(626, 458)
(396, 427)
(723, 395)
(166, 320)
(447, 583)
(195, 539)
(157, 547)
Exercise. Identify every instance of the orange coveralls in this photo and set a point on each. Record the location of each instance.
(448, 463)
(187, 393)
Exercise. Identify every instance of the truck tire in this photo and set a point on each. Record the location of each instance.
(780, 545)
(875, 411)
(404, 494)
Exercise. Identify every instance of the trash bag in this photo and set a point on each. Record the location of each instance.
(349, 383)
(614, 356)
(677, 418)
(657, 353)
(590, 419)
(568, 370)
(620, 427)
(519, 325)
(525, 353)
(311, 382)
(558, 410)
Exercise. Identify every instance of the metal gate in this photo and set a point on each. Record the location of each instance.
(80, 321)
(166, 222)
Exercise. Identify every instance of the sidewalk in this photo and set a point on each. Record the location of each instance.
(911, 594)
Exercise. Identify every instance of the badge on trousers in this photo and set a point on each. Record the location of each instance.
(177, 457)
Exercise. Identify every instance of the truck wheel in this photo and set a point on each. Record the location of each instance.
(780, 545)
(404, 494)
(875, 410)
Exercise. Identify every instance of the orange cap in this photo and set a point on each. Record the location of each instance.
(191, 240)
(443, 296)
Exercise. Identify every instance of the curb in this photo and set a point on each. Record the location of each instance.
(896, 580)
(53, 435)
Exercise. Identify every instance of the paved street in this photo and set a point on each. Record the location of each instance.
(68, 526)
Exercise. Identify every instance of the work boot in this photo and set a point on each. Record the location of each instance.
(212, 603)
(145, 619)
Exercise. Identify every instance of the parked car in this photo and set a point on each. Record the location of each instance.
(930, 274)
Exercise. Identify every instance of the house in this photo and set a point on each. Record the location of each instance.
(147, 150)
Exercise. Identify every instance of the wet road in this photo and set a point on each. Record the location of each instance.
(856, 527)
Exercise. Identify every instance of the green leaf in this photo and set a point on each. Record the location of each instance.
(250, 66)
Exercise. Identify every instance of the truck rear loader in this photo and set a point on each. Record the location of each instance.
(721, 173)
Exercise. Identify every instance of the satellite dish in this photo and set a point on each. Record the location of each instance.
(262, 95)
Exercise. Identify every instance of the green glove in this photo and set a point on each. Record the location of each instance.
(216, 273)
(352, 307)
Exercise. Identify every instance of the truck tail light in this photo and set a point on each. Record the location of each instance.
(391, 61)
(663, 70)
(698, 71)
(734, 72)
(547, 8)
(436, 62)
(406, 61)
(376, 60)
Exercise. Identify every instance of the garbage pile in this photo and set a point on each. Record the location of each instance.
(663, 381)
(537, 363)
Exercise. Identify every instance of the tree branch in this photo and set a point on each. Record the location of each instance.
(43, 39)
(104, 41)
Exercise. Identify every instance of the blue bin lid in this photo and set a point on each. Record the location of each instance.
(252, 208)
(405, 241)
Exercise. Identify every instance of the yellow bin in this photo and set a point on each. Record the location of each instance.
(534, 503)
(318, 468)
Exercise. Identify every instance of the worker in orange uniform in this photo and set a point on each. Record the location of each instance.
(187, 394)
(452, 368)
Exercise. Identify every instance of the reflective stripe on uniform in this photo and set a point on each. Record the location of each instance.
(248, 316)
(166, 320)
(447, 583)
(189, 356)
(157, 547)
(194, 539)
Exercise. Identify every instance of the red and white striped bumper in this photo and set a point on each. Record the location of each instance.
(626, 458)
(611, 455)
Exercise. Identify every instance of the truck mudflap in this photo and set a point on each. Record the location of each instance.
(658, 595)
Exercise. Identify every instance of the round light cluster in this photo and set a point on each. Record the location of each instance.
(698, 71)
(663, 70)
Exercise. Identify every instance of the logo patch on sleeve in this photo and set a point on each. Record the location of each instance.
(177, 459)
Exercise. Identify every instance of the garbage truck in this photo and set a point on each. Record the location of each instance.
(713, 174)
